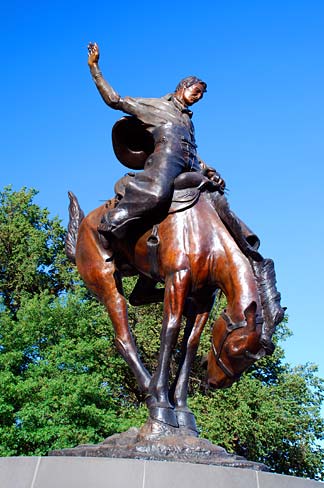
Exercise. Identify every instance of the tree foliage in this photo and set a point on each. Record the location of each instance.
(63, 383)
(60, 375)
(31, 249)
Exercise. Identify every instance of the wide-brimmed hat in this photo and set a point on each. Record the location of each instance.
(132, 143)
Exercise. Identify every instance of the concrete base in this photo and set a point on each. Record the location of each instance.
(74, 472)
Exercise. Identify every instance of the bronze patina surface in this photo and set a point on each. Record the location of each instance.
(187, 238)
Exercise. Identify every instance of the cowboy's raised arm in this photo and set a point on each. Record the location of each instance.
(109, 95)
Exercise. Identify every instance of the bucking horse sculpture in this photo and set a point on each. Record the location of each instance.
(195, 248)
(194, 252)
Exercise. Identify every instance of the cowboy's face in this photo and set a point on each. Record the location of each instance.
(193, 93)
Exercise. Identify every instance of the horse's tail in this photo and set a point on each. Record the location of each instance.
(76, 216)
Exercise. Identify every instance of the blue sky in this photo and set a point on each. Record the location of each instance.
(261, 124)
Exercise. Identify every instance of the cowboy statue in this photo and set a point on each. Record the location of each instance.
(158, 137)
(170, 131)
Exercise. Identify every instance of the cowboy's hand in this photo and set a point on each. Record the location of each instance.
(216, 178)
(93, 53)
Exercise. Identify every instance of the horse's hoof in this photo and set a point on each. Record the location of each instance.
(165, 415)
(155, 430)
(186, 420)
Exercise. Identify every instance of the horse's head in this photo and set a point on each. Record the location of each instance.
(235, 347)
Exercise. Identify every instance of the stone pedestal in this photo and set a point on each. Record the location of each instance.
(92, 472)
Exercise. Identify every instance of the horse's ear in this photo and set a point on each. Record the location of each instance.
(249, 313)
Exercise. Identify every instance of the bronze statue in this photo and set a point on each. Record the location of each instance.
(194, 260)
(167, 122)
(187, 238)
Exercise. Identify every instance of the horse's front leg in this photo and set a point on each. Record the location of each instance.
(196, 322)
(176, 290)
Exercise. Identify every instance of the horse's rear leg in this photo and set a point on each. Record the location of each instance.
(106, 283)
(176, 290)
(117, 309)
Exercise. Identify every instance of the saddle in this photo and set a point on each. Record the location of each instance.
(187, 188)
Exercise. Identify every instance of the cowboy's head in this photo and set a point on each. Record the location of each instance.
(190, 90)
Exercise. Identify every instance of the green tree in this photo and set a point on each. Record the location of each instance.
(278, 424)
(63, 383)
(31, 249)
(61, 379)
